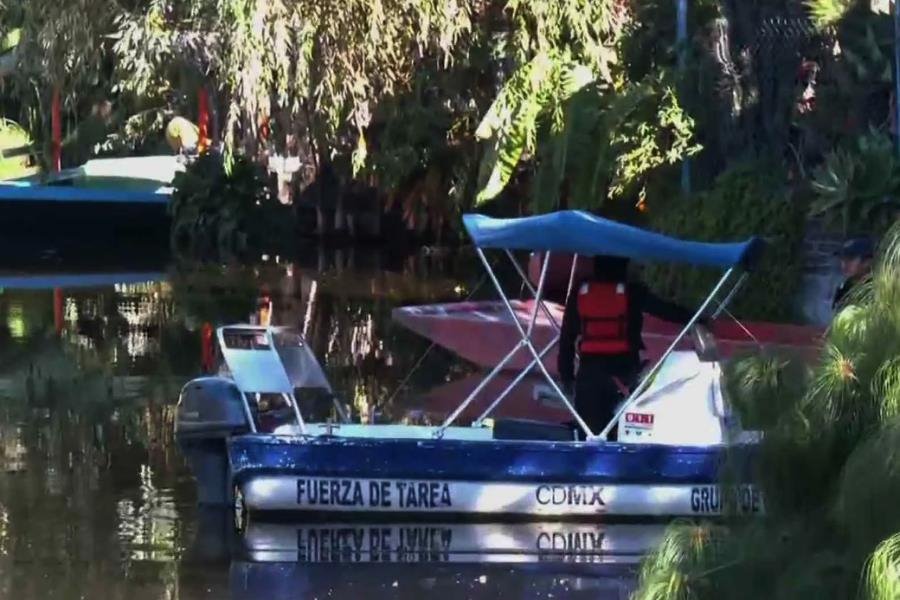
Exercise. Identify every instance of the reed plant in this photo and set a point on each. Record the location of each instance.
(828, 467)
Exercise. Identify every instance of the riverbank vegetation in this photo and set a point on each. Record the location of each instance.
(388, 119)
(828, 471)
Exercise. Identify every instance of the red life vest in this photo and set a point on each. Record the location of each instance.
(603, 308)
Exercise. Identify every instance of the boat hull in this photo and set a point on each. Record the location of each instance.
(483, 333)
(496, 479)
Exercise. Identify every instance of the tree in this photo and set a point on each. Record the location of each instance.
(592, 131)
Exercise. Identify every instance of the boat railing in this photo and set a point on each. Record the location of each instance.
(575, 233)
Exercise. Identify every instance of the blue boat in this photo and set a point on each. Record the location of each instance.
(104, 197)
(250, 439)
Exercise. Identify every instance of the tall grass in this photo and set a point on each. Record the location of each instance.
(829, 468)
(882, 574)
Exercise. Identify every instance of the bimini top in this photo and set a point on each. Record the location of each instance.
(577, 232)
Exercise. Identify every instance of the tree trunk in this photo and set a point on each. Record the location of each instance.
(340, 216)
(321, 217)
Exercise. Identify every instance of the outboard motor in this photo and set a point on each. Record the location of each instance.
(210, 410)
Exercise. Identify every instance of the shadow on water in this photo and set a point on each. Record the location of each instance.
(95, 501)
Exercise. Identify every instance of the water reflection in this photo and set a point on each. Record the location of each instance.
(95, 501)
(588, 543)
(521, 561)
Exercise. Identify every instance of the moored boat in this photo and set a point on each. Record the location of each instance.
(482, 332)
(250, 438)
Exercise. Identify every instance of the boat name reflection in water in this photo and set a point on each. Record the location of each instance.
(421, 544)
(375, 544)
(443, 542)
(571, 541)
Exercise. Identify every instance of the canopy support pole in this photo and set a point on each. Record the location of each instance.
(538, 303)
(530, 287)
(571, 278)
(480, 420)
(724, 303)
(471, 397)
(640, 389)
(500, 366)
(526, 342)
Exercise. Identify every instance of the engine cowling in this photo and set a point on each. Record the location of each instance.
(210, 410)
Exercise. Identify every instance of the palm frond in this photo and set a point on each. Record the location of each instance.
(827, 13)
(882, 572)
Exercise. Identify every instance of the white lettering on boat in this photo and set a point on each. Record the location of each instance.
(284, 493)
(327, 493)
(713, 499)
(570, 495)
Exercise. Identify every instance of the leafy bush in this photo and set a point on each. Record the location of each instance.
(213, 293)
(828, 468)
(13, 137)
(218, 211)
(858, 188)
(751, 199)
(762, 387)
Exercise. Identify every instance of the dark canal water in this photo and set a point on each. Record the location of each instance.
(95, 501)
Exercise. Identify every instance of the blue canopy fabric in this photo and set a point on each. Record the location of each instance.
(578, 232)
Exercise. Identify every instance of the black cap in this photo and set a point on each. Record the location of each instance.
(857, 248)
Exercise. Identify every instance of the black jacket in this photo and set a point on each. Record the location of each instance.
(640, 300)
(840, 295)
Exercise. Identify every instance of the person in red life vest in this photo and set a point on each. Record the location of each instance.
(602, 322)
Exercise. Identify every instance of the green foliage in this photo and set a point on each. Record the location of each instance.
(763, 387)
(857, 189)
(868, 489)
(678, 568)
(13, 137)
(748, 200)
(882, 575)
(209, 293)
(609, 143)
(641, 145)
(828, 467)
(219, 211)
(867, 48)
(535, 91)
(570, 106)
(827, 13)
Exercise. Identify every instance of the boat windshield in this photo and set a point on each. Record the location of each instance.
(298, 360)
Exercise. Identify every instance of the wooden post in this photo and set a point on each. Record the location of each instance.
(56, 130)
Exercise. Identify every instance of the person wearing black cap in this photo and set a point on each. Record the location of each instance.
(602, 323)
(856, 263)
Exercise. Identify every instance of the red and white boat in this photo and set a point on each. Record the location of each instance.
(483, 332)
